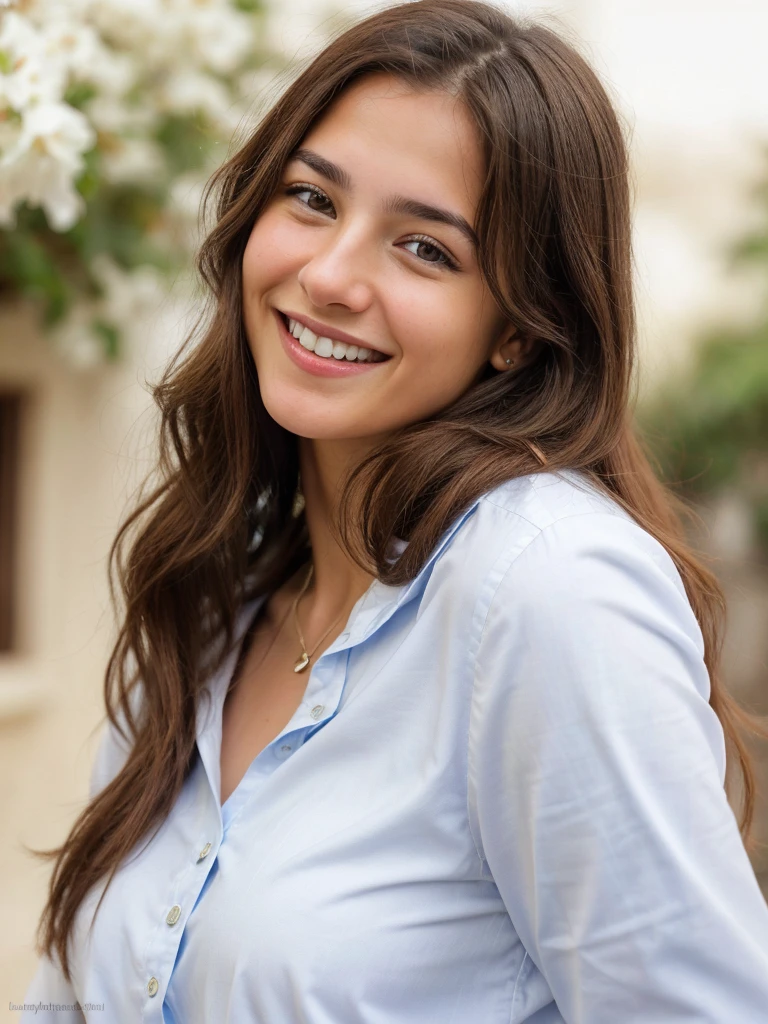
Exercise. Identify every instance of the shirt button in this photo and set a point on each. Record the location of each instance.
(317, 710)
(173, 914)
(204, 852)
(152, 986)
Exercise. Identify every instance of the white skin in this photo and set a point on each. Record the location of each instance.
(340, 259)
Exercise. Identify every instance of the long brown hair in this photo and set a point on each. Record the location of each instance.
(222, 520)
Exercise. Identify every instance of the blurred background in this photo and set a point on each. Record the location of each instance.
(112, 116)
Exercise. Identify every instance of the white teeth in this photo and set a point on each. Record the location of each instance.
(327, 347)
(308, 339)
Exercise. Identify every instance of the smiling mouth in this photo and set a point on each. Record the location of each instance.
(374, 357)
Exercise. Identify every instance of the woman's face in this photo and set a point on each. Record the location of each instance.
(336, 248)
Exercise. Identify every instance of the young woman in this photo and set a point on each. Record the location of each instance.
(414, 711)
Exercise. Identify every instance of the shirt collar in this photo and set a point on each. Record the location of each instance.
(377, 604)
(381, 601)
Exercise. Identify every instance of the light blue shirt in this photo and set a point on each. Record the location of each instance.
(500, 800)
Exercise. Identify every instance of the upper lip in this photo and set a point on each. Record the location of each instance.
(324, 331)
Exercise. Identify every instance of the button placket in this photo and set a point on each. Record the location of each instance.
(172, 918)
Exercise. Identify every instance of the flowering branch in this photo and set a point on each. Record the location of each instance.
(112, 115)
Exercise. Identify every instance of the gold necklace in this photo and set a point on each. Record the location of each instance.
(303, 660)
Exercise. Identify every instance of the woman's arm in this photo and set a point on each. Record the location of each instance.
(596, 771)
(50, 998)
(49, 986)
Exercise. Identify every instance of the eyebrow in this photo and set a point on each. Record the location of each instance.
(395, 204)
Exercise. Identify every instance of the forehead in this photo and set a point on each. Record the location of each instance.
(382, 129)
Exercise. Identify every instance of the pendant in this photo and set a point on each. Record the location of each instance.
(301, 663)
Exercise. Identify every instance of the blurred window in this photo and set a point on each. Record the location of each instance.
(10, 421)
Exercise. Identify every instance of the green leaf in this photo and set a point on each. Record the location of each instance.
(187, 141)
(110, 336)
(761, 522)
(28, 267)
(705, 429)
(77, 94)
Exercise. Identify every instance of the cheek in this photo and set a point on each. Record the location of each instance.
(442, 329)
(271, 251)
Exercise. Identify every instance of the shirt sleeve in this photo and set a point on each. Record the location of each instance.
(596, 797)
(112, 751)
(50, 998)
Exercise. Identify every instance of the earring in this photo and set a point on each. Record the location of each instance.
(510, 362)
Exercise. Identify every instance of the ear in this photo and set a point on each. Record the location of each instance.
(512, 345)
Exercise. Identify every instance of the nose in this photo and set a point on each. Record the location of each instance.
(337, 271)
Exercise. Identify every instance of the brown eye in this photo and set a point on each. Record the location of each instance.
(442, 259)
(312, 191)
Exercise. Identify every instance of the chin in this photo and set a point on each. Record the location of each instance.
(303, 423)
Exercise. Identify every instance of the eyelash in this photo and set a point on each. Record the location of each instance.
(449, 263)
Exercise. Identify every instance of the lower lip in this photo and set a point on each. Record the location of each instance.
(321, 367)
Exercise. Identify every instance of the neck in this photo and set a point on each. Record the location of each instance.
(337, 582)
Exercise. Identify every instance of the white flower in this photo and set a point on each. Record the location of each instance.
(187, 91)
(40, 165)
(112, 114)
(131, 299)
(223, 37)
(40, 181)
(133, 160)
(56, 130)
(135, 26)
(34, 76)
(114, 73)
(75, 340)
(142, 61)
(33, 80)
(75, 47)
(184, 205)
(129, 295)
(17, 35)
(186, 194)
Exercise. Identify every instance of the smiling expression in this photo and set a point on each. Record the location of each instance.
(369, 233)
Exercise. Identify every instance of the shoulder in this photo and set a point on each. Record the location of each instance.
(548, 559)
(586, 631)
(548, 497)
(114, 746)
(546, 527)
(567, 576)
(566, 503)
(583, 596)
